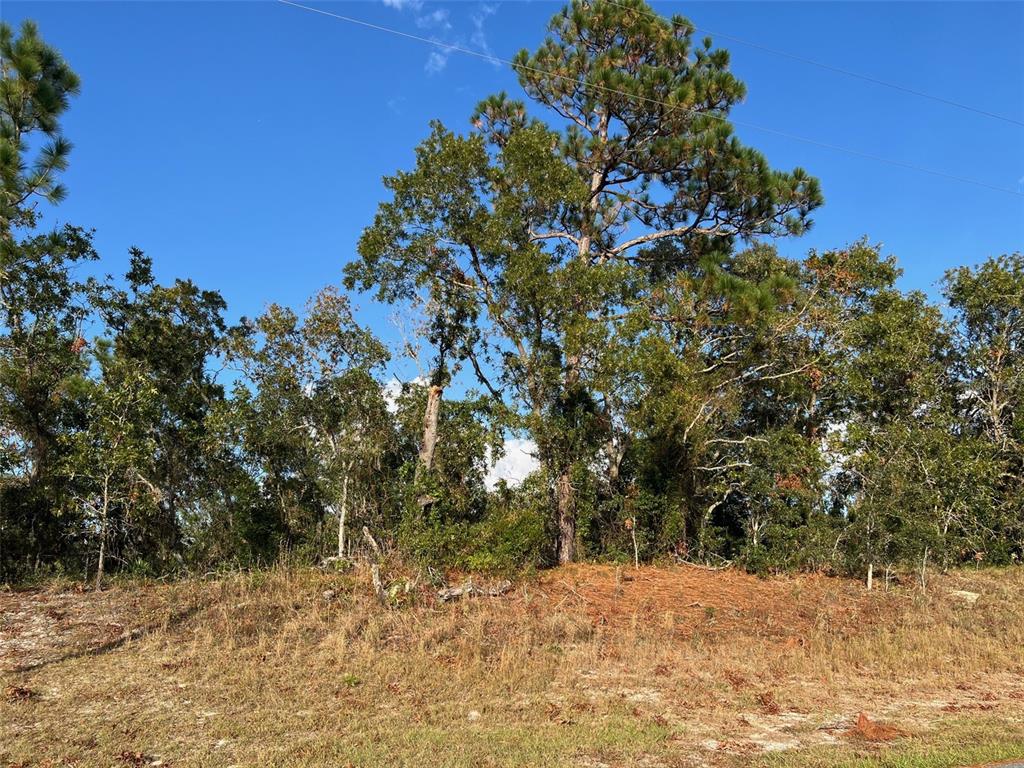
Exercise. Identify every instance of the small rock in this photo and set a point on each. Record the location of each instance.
(968, 597)
(329, 595)
(473, 715)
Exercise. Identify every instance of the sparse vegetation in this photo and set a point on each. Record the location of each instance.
(595, 273)
(580, 666)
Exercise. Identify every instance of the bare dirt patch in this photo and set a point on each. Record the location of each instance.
(42, 626)
(686, 599)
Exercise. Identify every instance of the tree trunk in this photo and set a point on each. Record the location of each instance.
(38, 452)
(429, 442)
(615, 451)
(566, 500)
(430, 417)
(636, 549)
(103, 534)
(812, 417)
(566, 518)
(342, 514)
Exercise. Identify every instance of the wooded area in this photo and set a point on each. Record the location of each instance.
(594, 269)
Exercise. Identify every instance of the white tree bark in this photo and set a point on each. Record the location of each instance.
(103, 533)
(343, 512)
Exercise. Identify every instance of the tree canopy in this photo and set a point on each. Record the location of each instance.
(595, 271)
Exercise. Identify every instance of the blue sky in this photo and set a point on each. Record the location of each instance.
(242, 144)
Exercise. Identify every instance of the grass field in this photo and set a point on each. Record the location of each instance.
(581, 666)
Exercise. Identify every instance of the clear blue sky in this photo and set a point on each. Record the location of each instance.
(242, 143)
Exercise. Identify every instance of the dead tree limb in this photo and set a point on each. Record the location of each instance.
(378, 585)
(372, 542)
(469, 588)
(377, 555)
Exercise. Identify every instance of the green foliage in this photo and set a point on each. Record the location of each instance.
(526, 227)
(508, 540)
(988, 332)
(312, 418)
(601, 278)
(510, 535)
(170, 333)
(42, 310)
(108, 463)
(36, 86)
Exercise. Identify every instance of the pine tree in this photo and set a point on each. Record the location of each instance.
(541, 229)
(35, 89)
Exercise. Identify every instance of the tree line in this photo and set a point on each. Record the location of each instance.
(594, 268)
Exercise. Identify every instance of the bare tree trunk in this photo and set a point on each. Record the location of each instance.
(924, 570)
(429, 442)
(103, 533)
(38, 451)
(615, 451)
(636, 549)
(342, 514)
(566, 518)
(430, 417)
(812, 417)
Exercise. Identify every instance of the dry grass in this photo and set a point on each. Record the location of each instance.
(584, 666)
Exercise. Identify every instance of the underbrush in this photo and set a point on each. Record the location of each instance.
(577, 666)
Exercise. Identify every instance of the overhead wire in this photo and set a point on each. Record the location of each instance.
(831, 67)
(607, 89)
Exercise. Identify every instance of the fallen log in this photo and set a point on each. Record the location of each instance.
(469, 588)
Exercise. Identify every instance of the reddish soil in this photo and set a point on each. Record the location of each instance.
(689, 599)
(870, 730)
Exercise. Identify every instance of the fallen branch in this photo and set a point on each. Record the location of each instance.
(469, 588)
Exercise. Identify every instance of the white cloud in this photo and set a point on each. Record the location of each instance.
(479, 37)
(393, 389)
(520, 460)
(436, 62)
(439, 22)
(438, 19)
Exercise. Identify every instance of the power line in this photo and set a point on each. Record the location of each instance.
(596, 86)
(833, 68)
